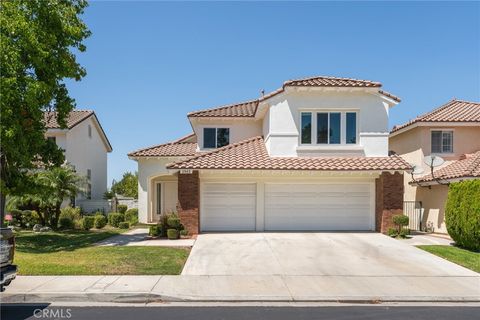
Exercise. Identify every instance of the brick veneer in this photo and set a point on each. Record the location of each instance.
(388, 199)
(188, 205)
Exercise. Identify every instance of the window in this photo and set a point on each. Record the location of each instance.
(159, 198)
(89, 131)
(306, 127)
(329, 127)
(442, 141)
(53, 139)
(334, 128)
(216, 137)
(351, 136)
(322, 127)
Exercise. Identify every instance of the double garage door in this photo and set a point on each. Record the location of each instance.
(233, 207)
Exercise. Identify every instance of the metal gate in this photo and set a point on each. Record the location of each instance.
(413, 210)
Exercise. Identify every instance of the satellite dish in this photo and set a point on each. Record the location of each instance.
(433, 161)
(416, 169)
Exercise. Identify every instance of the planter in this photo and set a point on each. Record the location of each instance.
(172, 234)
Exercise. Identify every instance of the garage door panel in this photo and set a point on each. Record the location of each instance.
(228, 207)
(318, 207)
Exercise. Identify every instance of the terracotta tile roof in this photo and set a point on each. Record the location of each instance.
(467, 167)
(74, 118)
(177, 148)
(331, 82)
(453, 111)
(244, 109)
(251, 154)
(249, 108)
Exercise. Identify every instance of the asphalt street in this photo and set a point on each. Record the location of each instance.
(44, 311)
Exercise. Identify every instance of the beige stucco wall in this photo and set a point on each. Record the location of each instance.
(433, 202)
(413, 145)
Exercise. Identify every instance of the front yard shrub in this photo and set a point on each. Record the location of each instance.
(462, 213)
(122, 208)
(404, 232)
(30, 218)
(184, 232)
(65, 223)
(87, 222)
(392, 232)
(115, 218)
(154, 231)
(17, 217)
(163, 224)
(70, 218)
(172, 234)
(400, 222)
(131, 216)
(124, 225)
(173, 222)
(100, 221)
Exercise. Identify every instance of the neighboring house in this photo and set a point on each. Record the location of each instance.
(452, 132)
(312, 155)
(85, 146)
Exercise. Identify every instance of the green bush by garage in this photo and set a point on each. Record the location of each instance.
(462, 213)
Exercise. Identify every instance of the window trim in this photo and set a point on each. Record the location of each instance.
(343, 127)
(442, 130)
(216, 136)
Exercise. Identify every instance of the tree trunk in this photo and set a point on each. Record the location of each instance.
(3, 196)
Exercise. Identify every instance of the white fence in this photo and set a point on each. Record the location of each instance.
(95, 205)
(130, 203)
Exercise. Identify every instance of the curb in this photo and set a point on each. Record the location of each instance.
(147, 297)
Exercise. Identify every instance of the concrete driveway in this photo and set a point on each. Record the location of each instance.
(315, 254)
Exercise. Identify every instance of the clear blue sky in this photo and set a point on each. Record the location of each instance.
(149, 63)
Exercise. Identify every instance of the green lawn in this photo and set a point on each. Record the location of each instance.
(72, 253)
(466, 258)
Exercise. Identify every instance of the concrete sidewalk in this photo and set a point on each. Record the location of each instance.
(138, 237)
(242, 288)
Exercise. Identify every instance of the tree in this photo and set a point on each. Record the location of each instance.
(128, 186)
(52, 187)
(38, 38)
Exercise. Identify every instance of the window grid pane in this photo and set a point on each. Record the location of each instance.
(351, 136)
(322, 127)
(436, 142)
(209, 138)
(334, 132)
(447, 145)
(223, 137)
(306, 127)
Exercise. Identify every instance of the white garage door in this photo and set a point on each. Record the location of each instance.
(318, 207)
(228, 207)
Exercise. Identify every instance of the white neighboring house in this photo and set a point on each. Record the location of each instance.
(85, 146)
(311, 155)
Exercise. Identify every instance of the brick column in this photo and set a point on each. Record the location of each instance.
(188, 205)
(388, 200)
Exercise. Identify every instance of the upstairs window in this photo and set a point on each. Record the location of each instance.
(442, 141)
(351, 128)
(53, 139)
(89, 131)
(306, 127)
(329, 128)
(216, 137)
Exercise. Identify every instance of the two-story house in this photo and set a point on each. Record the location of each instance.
(312, 155)
(85, 146)
(452, 132)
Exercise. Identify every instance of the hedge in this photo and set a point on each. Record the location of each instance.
(462, 213)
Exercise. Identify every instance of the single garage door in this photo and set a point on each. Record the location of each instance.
(228, 207)
(318, 207)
